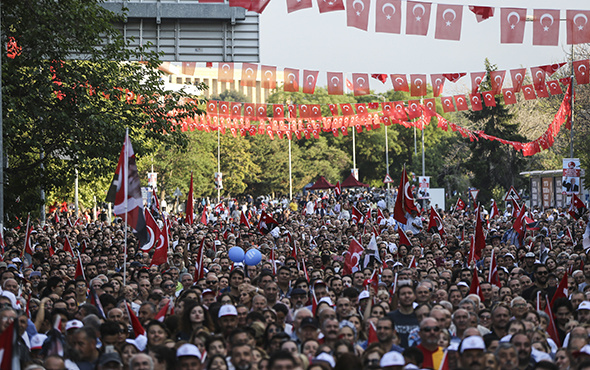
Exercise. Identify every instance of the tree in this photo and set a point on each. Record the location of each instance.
(491, 162)
(68, 98)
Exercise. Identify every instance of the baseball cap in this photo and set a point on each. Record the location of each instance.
(105, 358)
(392, 358)
(207, 291)
(509, 255)
(319, 282)
(3, 264)
(530, 255)
(462, 283)
(309, 321)
(227, 310)
(74, 324)
(189, 350)
(298, 291)
(37, 341)
(16, 260)
(473, 342)
(327, 300)
(585, 305)
(326, 358)
(364, 295)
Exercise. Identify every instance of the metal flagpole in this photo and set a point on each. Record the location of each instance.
(126, 192)
(218, 164)
(290, 167)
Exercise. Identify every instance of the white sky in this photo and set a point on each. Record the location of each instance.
(307, 39)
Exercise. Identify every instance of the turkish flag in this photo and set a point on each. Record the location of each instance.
(224, 109)
(448, 22)
(212, 107)
(309, 80)
(400, 82)
(438, 82)
(361, 109)
(418, 83)
(388, 16)
(404, 203)
(335, 83)
(266, 223)
(334, 110)
(538, 75)
(291, 78)
(460, 205)
(475, 100)
(249, 72)
(577, 207)
(417, 18)
(357, 216)
(545, 27)
(399, 111)
(480, 239)
(236, 110)
(268, 77)
(258, 6)
(509, 96)
(357, 14)
(278, 111)
(517, 76)
(454, 77)
(294, 5)
(582, 71)
(554, 87)
(225, 72)
(250, 111)
(482, 12)
(493, 273)
(380, 76)
(361, 84)
(529, 92)
(497, 80)
(330, 5)
(512, 25)
(261, 112)
(541, 91)
(550, 69)
(352, 259)
(304, 111)
(188, 68)
(476, 79)
(435, 222)
(488, 99)
(578, 29)
(413, 109)
(430, 104)
(461, 102)
(447, 104)
(474, 286)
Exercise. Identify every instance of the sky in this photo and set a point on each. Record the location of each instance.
(306, 39)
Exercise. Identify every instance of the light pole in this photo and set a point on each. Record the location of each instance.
(382, 97)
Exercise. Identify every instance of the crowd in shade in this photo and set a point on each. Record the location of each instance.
(321, 282)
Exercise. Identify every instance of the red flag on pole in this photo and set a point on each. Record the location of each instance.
(153, 232)
(352, 260)
(204, 216)
(460, 205)
(138, 329)
(79, 268)
(161, 253)
(551, 327)
(562, 291)
(435, 221)
(494, 211)
(372, 334)
(200, 267)
(68, 247)
(244, 220)
(190, 212)
(474, 288)
(28, 247)
(403, 238)
(404, 202)
(493, 273)
(480, 239)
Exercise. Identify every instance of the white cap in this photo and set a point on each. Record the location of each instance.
(462, 283)
(207, 291)
(188, 349)
(583, 351)
(37, 341)
(326, 358)
(364, 294)
(585, 305)
(227, 310)
(392, 358)
(327, 300)
(473, 342)
(16, 260)
(74, 324)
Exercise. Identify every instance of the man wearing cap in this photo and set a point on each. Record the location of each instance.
(584, 313)
(189, 357)
(228, 318)
(472, 349)
(429, 334)
(308, 329)
(298, 298)
(392, 361)
(110, 360)
(529, 263)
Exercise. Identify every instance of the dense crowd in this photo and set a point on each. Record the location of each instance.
(404, 307)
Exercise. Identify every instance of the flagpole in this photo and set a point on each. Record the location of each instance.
(218, 164)
(126, 192)
(290, 168)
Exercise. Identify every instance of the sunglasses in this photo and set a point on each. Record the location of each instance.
(428, 329)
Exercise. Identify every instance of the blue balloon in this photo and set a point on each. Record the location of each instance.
(253, 257)
(236, 254)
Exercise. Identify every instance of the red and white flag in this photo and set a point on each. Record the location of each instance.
(551, 327)
(309, 81)
(294, 5)
(517, 76)
(164, 311)
(448, 22)
(335, 82)
(357, 216)
(204, 216)
(497, 80)
(153, 232)
(161, 252)
(244, 220)
(403, 238)
(199, 265)
(460, 205)
(190, 211)
(360, 83)
(417, 18)
(225, 72)
(494, 211)
(330, 5)
(268, 77)
(482, 12)
(578, 29)
(79, 268)
(438, 83)
(493, 273)
(512, 22)
(138, 329)
(474, 287)
(338, 189)
(404, 202)
(545, 27)
(68, 247)
(480, 239)
(577, 207)
(476, 79)
(125, 192)
(352, 260)
(266, 223)
(418, 84)
(435, 222)
(471, 258)
(388, 16)
(400, 82)
(249, 73)
(291, 80)
(413, 263)
(582, 71)
(357, 13)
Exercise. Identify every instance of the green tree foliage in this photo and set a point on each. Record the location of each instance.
(492, 163)
(68, 98)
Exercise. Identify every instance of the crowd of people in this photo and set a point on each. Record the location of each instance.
(410, 305)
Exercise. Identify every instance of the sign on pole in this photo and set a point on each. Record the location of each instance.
(512, 195)
(473, 193)
(388, 179)
(570, 183)
(423, 187)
